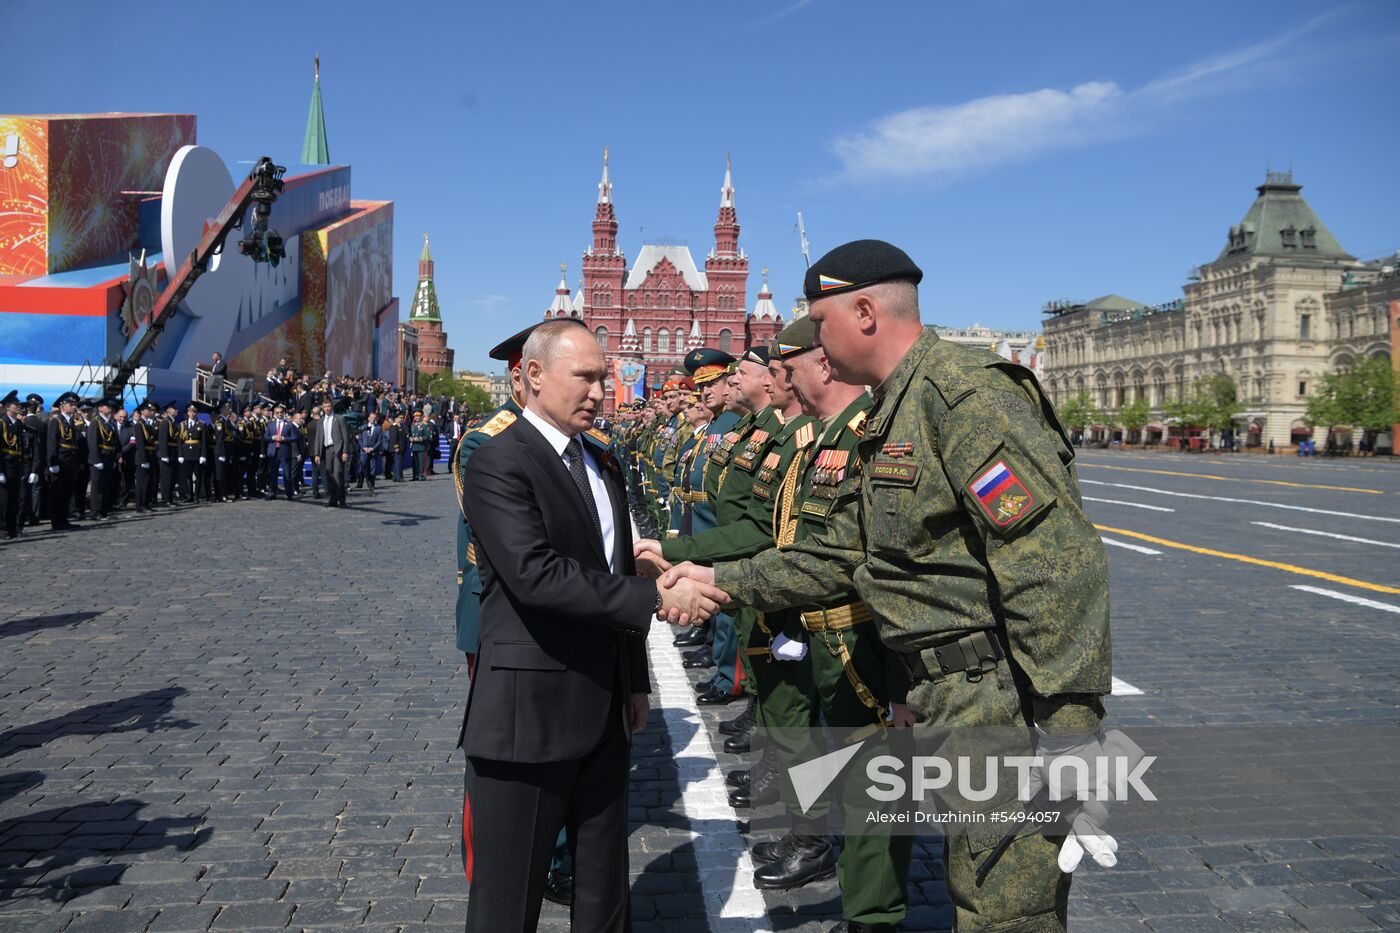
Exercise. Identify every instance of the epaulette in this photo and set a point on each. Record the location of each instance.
(498, 424)
(804, 436)
(599, 436)
(857, 423)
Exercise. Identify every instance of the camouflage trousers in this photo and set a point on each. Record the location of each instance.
(1025, 891)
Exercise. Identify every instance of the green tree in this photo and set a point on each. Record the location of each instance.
(1377, 395)
(1079, 412)
(1367, 397)
(1133, 417)
(473, 396)
(1219, 401)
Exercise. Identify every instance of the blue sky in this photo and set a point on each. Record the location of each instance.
(1020, 151)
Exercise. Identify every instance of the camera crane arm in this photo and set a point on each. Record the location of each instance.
(259, 189)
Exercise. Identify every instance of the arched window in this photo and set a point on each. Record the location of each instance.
(663, 341)
(602, 335)
(646, 340)
(726, 338)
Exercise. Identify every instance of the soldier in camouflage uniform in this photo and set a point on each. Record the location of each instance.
(960, 525)
(859, 681)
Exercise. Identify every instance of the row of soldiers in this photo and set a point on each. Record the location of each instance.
(916, 556)
(86, 459)
(737, 456)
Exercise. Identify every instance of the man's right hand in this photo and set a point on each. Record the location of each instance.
(53, 469)
(686, 602)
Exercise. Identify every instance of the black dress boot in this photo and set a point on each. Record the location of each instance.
(807, 859)
(741, 723)
(762, 790)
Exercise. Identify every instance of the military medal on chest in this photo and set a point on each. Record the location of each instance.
(770, 467)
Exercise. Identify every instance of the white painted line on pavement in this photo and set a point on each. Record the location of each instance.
(1272, 505)
(726, 870)
(1131, 547)
(1121, 688)
(1131, 505)
(1325, 534)
(1347, 597)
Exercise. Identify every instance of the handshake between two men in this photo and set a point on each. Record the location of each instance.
(688, 593)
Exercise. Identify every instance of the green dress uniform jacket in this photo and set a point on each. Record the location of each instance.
(679, 501)
(468, 580)
(702, 511)
(964, 515)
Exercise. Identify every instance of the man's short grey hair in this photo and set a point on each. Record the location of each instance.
(898, 298)
(544, 342)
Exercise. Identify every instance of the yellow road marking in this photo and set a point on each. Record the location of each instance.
(1257, 561)
(1235, 479)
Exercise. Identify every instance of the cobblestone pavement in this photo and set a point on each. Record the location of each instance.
(242, 717)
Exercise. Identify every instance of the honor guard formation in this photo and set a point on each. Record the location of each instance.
(93, 459)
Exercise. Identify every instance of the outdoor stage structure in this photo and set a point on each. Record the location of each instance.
(96, 210)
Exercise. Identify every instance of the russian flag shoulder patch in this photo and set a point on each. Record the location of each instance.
(1001, 494)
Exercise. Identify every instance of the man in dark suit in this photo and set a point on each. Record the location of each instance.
(281, 438)
(372, 443)
(218, 371)
(561, 674)
(331, 445)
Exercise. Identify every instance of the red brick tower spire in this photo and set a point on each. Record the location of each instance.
(727, 226)
(604, 267)
(727, 271)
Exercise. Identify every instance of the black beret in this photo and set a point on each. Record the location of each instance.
(858, 264)
(756, 354)
(514, 344)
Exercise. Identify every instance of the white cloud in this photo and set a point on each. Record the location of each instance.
(943, 141)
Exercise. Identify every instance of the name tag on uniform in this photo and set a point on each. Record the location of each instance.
(819, 509)
(905, 473)
(762, 491)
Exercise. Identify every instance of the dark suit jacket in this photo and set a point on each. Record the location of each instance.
(291, 439)
(561, 637)
(341, 441)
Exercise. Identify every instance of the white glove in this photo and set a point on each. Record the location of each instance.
(202, 460)
(97, 466)
(221, 460)
(3, 481)
(785, 649)
(53, 469)
(33, 478)
(164, 459)
(1088, 790)
(181, 459)
(145, 466)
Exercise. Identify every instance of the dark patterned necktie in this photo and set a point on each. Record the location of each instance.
(574, 454)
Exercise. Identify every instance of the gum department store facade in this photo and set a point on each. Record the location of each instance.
(1282, 304)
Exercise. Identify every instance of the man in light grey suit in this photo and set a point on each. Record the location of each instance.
(330, 445)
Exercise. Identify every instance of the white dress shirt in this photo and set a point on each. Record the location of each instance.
(559, 441)
(327, 431)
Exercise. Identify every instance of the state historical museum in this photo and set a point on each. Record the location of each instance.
(648, 317)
